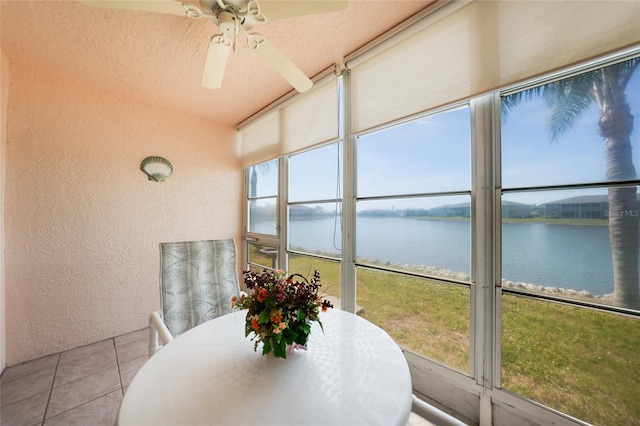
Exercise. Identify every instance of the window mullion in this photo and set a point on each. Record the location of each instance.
(283, 217)
(483, 241)
(348, 268)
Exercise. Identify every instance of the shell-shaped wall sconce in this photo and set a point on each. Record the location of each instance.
(158, 169)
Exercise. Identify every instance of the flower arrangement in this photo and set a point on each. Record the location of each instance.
(281, 309)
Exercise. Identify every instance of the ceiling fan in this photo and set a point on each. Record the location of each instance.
(234, 17)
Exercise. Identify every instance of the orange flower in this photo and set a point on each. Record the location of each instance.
(276, 315)
(263, 293)
(280, 327)
(255, 325)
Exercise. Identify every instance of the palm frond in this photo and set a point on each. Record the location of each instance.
(567, 100)
(510, 102)
(627, 68)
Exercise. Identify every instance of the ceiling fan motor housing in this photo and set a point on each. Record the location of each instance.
(231, 15)
(227, 24)
(238, 6)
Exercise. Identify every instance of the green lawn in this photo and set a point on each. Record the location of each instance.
(579, 361)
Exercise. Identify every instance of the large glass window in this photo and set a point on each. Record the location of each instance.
(413, 234)
(429, 154)
(428, 235)
(316, 174)
(314, 208)
(568, 159)
(262, 256)
(329, 274)
(315, 216)
(508, 251)
(263, 197)
(427, 316)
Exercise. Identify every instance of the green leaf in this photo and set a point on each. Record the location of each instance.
(305, 328)
(266, 348)
(290, 335)
(280, 349)
(302, 339)
(265, 317)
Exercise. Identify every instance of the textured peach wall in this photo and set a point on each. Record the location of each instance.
(4, 90)
(83, 223)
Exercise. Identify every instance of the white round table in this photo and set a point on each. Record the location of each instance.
(352, 374)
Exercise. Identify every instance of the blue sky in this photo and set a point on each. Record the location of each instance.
(529, 157)
(432, 154)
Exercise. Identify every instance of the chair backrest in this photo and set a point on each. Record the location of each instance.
(198, 279)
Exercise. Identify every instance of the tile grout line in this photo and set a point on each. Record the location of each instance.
(55, 373)
(53, 380)
(115, 349)
(80, 378)
(84, 403)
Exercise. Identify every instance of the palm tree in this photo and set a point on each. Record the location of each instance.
(263, 168)
(567, 100)
(253, 182)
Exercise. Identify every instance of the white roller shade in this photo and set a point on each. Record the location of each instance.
(464, 51)
(304, 120)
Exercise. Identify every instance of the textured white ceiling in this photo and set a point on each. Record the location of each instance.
(159, 58)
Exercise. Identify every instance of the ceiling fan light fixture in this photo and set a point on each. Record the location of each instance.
(157, 169)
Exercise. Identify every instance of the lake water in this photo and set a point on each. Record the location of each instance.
(564, 256)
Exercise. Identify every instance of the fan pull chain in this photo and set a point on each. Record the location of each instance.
(235, 32)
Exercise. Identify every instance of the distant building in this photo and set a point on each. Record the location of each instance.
(583, 207)
(451, 210)
(509, 209)
(516, 210)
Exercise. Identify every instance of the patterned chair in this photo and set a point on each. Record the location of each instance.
(198, 279)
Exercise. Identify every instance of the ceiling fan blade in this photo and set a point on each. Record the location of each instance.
(287, 69)
(282, 9)
(216, 62)
(159, 6)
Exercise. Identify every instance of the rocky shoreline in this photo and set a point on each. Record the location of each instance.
(460, 276)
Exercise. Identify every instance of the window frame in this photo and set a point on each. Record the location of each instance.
(506, 395)
(486, 290)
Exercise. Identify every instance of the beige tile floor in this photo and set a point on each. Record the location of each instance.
(82, 386)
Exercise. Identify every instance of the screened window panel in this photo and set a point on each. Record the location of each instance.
(315, 174)
(315, 228)
(306, 120)
(262, 216)
(480, 47)
(427, 235)
(263, 179)
(431, 154)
